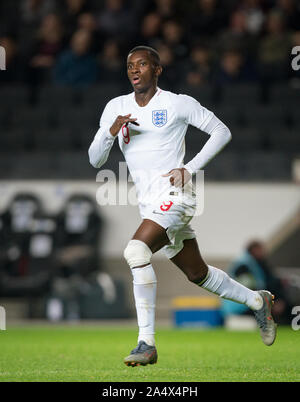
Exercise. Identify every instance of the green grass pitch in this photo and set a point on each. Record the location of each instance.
(95, 353)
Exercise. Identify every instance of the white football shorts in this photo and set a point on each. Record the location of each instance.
(173, 211)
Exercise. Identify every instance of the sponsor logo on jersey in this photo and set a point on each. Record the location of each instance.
(159, 117)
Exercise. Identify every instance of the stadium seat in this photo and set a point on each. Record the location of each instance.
(26, 270)
(85, 137)
(53, 139)
(84, 119)
(285, 94)
(65, 121)
(74, 165)
(51, 96)
(240, 94)
(15, 96)
(14, 140)
(295, 118)
(6, 117)
(246, 139)
(225, 168)
(203, 94)
(268, 166)
(195, 139)
(96, 97)
(231, 115)
(35, 118)
(266, 117)
(285, 141)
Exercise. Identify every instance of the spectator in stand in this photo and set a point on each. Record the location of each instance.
(77, 66)
(70, 10)
(173, 35)
(274, 48)
(167, 9)
(150, 29)
(254, 15)
(88, 22)
(291, 12)
(236, 35)
(199, 66)
(117, 20)
(33, 11)
(207, 18)
(112, 68)
(48, 44)
(172, 70)
(31, 14)
(262, 31)
(234, 69)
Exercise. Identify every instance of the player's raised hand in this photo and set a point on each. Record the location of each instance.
(178, 177)
(120, 121)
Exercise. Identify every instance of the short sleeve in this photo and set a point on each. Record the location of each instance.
(192, 112)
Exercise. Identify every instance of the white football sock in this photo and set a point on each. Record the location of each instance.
(218, 282)
(144, 290)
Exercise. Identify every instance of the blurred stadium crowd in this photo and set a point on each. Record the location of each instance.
(65, 59)
(80, 42)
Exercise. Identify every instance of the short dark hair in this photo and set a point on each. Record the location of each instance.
(154, 53)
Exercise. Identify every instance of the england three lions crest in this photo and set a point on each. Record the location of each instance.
(159, 117)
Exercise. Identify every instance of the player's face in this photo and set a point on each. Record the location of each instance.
(141, 70)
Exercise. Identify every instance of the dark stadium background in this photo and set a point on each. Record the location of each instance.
(64, 60)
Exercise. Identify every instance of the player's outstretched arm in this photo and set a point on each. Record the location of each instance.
(192, 112)
(100, 147)
(220, 135)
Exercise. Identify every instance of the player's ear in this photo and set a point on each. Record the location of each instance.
(158, 70)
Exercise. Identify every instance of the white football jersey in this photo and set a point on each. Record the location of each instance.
(154, 147)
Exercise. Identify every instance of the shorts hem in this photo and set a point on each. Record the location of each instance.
(173, 252)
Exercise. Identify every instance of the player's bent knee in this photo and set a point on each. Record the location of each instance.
(137, 254)
(197, 277)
